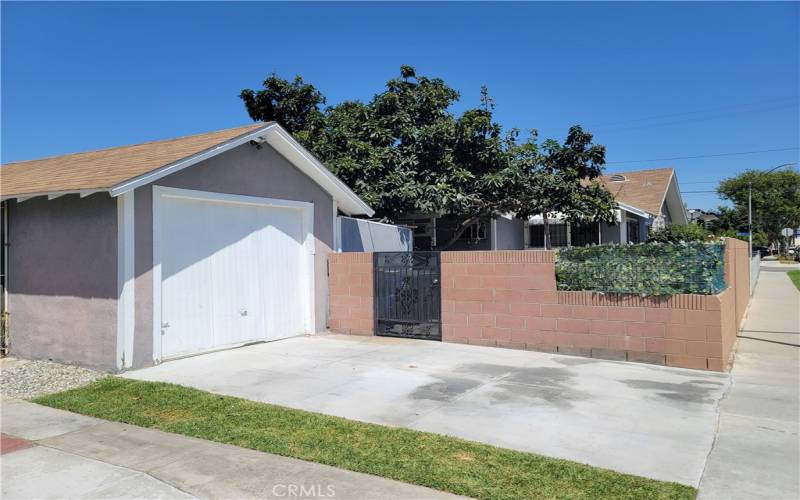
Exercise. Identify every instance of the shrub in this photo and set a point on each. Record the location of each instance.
(678, 234)
(659, 269)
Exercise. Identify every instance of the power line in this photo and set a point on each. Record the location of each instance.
(716, 155)
(693, 112)
(688, 120)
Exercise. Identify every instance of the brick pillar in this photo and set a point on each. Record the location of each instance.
(351, 293)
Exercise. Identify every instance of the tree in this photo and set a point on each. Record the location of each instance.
(673, 233)
(562, 179)
(295, 105)
(405, 151)
(776, 200)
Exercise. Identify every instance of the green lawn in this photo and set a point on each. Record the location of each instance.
(795, 277)
(432, 460)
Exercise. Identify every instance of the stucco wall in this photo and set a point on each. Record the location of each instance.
(63, 279)
(247, 171)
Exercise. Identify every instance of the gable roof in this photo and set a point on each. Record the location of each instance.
(120, 169)
(643, 189)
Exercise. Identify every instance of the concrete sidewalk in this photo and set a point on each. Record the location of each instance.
(81, 457)
(756, 453)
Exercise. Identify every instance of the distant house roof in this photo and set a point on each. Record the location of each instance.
(123, 168)
(644, 189)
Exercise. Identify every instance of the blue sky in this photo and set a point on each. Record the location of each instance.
(652, 80)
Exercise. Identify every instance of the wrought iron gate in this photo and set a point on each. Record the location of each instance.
(408, 295)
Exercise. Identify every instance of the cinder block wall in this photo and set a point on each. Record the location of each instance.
(509, 299)
(497, 298)
(351, 296)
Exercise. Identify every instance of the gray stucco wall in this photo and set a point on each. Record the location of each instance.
(247, 171)
(63, 279)
(510, 234)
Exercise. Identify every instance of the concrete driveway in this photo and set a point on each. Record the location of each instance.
(647, 420)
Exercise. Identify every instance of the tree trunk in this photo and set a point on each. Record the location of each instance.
(546, 226)
(459, 231)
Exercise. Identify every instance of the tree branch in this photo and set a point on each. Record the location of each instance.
(459, 231)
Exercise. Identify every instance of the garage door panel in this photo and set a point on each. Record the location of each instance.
(231, 273)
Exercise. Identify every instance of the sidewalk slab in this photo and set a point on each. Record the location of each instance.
(42, 472)
(33, 422)
(756, 454)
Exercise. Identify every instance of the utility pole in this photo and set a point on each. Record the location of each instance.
(750, 218)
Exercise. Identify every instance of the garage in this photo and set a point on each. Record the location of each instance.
(233, 270)
(135, 255)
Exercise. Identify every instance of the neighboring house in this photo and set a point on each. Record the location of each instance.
(701, 217)
(500, 233)
(645, 199)
(127, 256)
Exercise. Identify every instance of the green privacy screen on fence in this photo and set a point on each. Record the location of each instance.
(645, 269)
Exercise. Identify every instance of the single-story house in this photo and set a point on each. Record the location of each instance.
(128, 256)
(701, 217)
(645, 199)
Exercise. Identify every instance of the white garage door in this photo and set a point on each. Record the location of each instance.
(232, 269)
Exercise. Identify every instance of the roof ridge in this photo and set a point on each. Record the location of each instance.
(156, 141)
(639, 171)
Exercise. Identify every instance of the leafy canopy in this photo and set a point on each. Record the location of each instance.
(405, 151)
(776, 201)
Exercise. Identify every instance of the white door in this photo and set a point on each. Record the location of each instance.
(231, 271)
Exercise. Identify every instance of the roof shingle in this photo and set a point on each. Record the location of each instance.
(643, 189)
(106, 168)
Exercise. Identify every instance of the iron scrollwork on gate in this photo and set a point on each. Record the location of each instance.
(408, 294)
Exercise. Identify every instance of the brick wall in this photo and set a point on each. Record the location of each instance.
(351, 309)
(737, 274)
(509, 299)
(496, 298)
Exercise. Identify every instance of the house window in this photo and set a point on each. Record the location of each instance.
(584, 235)
(633, 231)
(558, 235)
(475, 232)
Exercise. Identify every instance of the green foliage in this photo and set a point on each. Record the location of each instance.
(441, 462)
(562, 179)
(658, 269)
(674, 233)
(406, 151)
(295, 104)
(776, 201)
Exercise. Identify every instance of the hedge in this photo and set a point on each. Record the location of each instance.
(659, 269)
